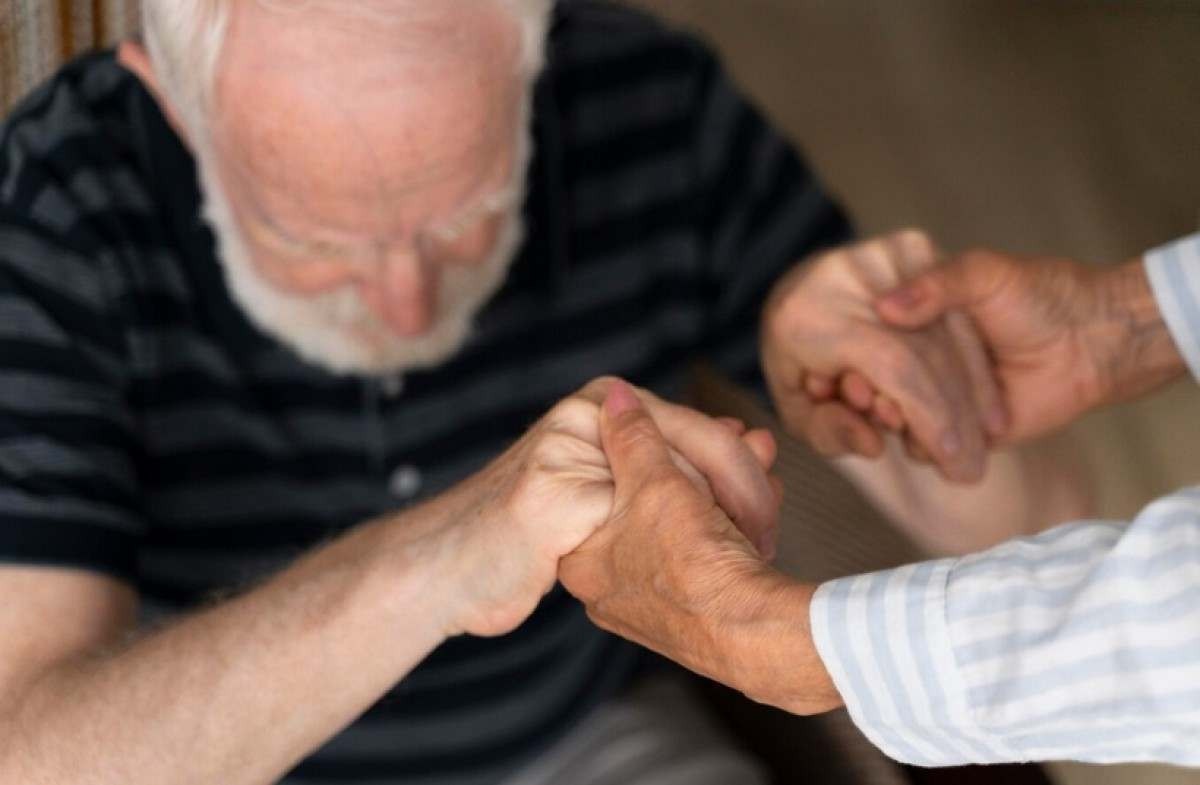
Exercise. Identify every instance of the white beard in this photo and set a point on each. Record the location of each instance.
(336, 330)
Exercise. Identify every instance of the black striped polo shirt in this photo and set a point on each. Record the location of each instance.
(149, 432)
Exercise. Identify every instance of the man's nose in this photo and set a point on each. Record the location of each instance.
(406, 291)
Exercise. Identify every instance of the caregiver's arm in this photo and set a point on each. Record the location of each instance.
(1080, 643)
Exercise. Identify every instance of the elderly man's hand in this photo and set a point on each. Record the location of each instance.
(1064, 337)
(670, 570)
(503, 530)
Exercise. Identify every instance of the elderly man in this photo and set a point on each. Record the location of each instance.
(1080, 643)
(273, 345)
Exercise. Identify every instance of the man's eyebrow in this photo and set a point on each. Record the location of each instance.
(479, 201)
(482, 201)
(281, 235)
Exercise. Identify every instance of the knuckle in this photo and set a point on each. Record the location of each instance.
(914, 238)
(917, 245)
(873, 253)
(832, 256)
(722, 439)
(675, 485)
(639, 431)
(573, 412)
(664, 488)
(551, 449)
(522, 495)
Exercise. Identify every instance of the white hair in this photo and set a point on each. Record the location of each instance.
(185, 39)
(328, 329)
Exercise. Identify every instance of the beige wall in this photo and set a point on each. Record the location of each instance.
(1058, 127)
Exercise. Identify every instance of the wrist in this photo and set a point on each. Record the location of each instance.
(415, 558)
(1133, 349)
(768, 647)
(478, 572)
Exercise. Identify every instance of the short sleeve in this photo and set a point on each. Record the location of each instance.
(763, 211)
(68, 487)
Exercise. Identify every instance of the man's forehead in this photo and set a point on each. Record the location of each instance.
(320, 106)
(443, 74)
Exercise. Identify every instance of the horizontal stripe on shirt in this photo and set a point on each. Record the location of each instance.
(149, 431)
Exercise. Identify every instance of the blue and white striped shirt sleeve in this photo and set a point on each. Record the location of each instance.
(1174, 272)
(1081, 643)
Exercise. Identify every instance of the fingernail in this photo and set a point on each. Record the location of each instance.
(621, 398)
(951, 444)
(766, 547)
(905, 297)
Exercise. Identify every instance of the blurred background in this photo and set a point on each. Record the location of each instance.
(1038, 126)
(1065, 127)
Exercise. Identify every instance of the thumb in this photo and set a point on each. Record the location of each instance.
(926, 298)
(635, 447)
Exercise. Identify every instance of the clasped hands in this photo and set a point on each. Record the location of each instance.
(662, 521)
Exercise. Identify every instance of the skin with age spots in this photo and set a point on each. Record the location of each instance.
(361, 220)
(1063, 337)
(344, 183)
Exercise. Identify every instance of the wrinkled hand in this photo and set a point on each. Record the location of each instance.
(841, 377)
(545, 495)
(1063, 337)
(670, 570)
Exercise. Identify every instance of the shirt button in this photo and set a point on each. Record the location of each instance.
(393, 386)
(405, 482)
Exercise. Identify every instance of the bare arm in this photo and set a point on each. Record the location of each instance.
(237, 694)
(1023, 491)
(240, 693)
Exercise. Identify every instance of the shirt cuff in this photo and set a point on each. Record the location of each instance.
(884, 640)
(1174, 273)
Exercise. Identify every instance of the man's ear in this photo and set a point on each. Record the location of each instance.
(134, 57)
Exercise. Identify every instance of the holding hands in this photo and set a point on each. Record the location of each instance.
(671, 571)
(981, 350)
(841, 376)
(984, 350)
(1063, 337)
(502, 532)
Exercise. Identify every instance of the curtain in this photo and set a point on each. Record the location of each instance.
(37, 36)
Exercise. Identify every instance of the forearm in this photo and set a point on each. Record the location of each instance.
(1024, 491)
(1077, 644)
(237, 694)
(767, 648)
(1133, 347)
